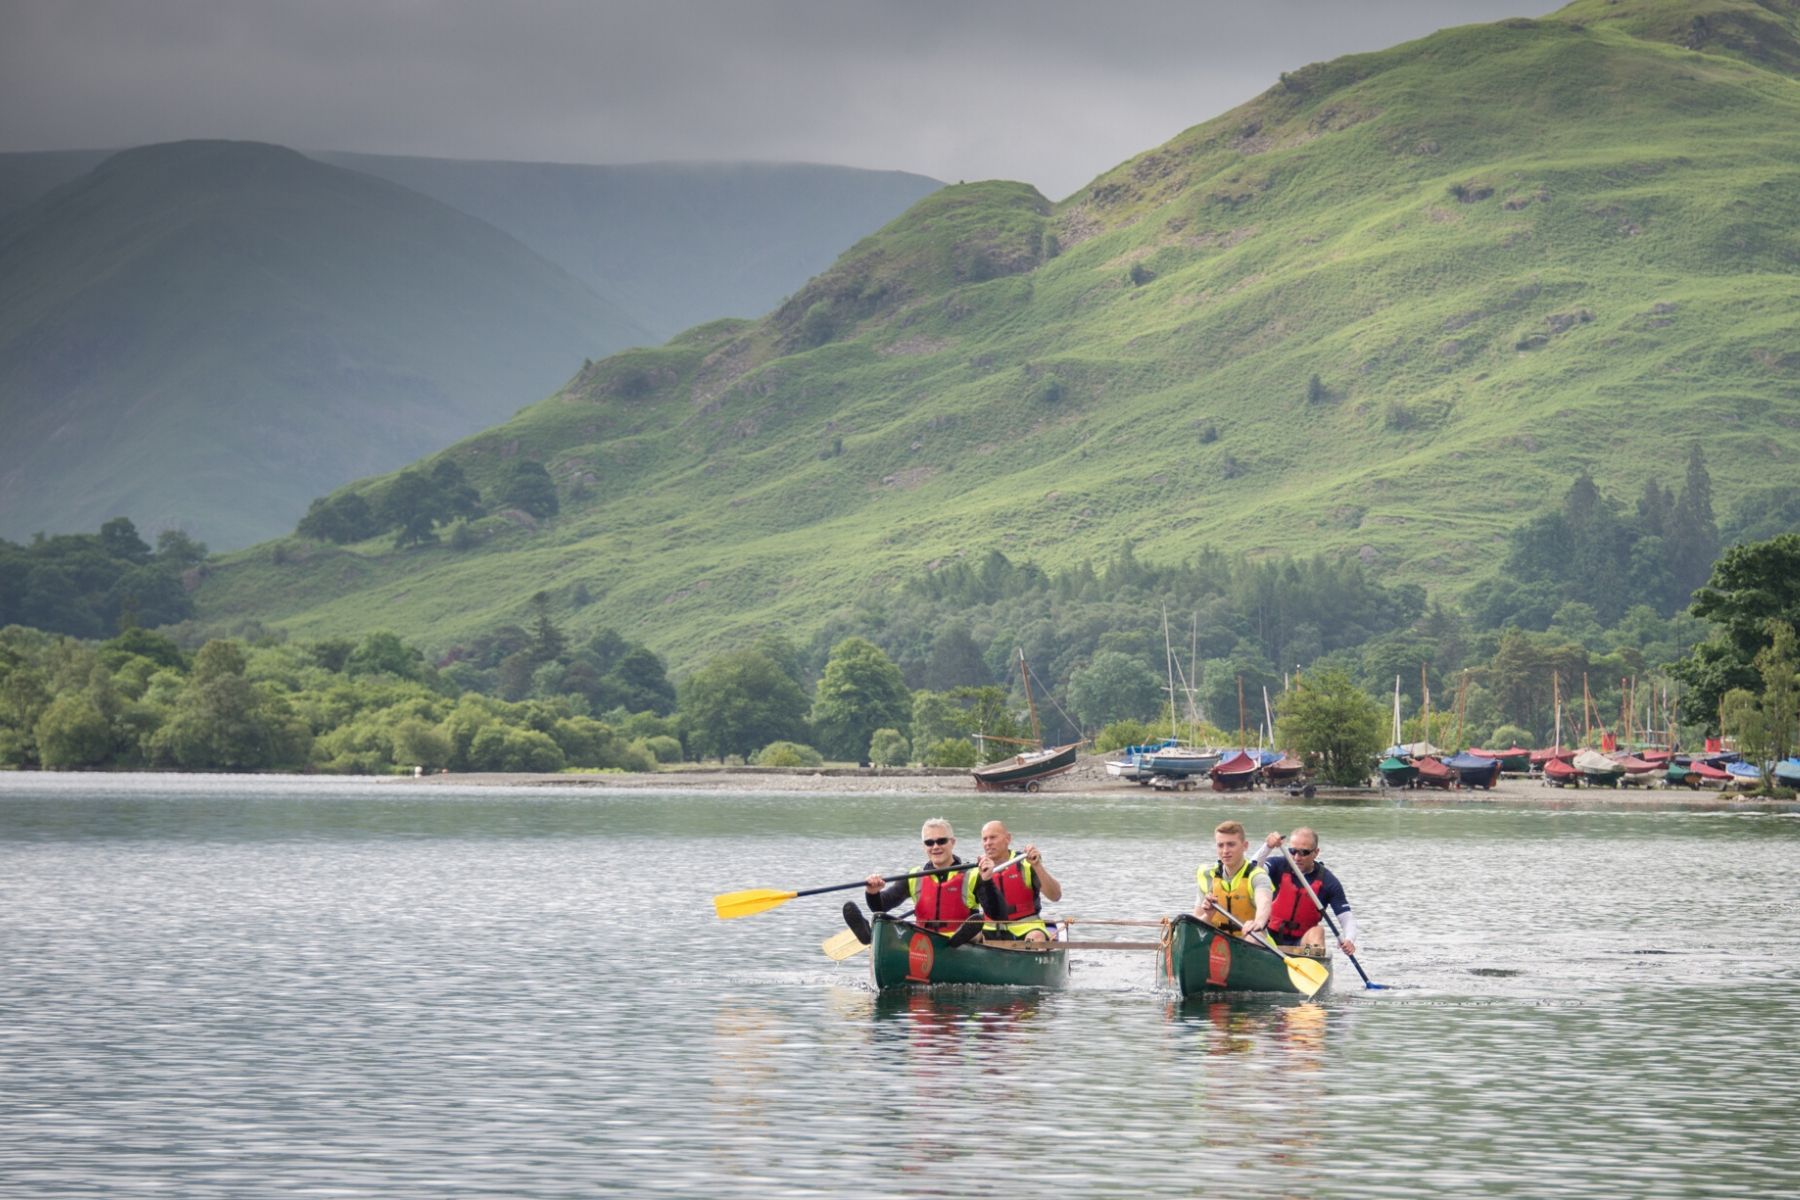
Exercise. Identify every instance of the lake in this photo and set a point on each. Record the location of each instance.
(229, 986)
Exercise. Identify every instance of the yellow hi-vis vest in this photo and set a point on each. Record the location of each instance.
(1236, 895)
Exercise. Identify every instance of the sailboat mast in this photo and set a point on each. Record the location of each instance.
(1241, 738)
(1025, 675)
(1169, 659)
(1396, 710)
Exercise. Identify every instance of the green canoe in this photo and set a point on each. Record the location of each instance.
(902, 954)
(1197, 958)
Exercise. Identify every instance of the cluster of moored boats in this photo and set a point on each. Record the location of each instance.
(1169, 763)
(1421, 765)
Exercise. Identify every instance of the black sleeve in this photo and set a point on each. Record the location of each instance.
(1333, 896)
(987, 895)
(888, 898)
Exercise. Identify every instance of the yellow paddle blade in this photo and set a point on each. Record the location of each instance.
(749, 902)
(1308, 974)
(841, 945)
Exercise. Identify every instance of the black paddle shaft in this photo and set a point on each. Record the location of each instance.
(863, 883)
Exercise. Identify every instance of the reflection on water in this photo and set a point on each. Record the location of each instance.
(256, 988)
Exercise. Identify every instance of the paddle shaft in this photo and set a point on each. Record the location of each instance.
(864, 883)
(1324, 912)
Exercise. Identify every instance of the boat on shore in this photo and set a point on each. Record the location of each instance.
(1197, 958)
(1472, 770)
(1514, 760)
(1396, 772)
(1026, 770)
(1787, 772)
(1597, 770)
(1560, 772)
(1176, 761)
(902, 954)
(1237, 773)
(1432, 773)
(1285, 769)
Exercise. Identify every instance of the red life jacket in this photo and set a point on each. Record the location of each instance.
(1016, 891)
(948, 897)
(1292, 913)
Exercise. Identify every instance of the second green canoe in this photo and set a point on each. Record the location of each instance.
(902, 954)
(1197, 958)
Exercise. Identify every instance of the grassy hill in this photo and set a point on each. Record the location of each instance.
(209, 334)
(1505, 252)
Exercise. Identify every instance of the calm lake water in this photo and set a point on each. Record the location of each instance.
(217, 987)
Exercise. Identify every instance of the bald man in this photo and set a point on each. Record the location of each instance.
(1010, 895)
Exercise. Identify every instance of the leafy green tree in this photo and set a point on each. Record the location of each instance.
(179, 551)
(1778, 665)
(739, 702)
(951, 752)
(153, 646)
(997, 730)
(457, 497)
(547, 641)
(342, 519)
(935, 717)
(221, 721)
(1113, 687)
(412, 507)
(529, 487)
(788, 754)
(889, 748)
(955, 660)
(119, 538)
(420, 744)
(1124, 733)
(1749, 585)
(1327, 718)
(383, 653)
(861, 691)
(72, 732)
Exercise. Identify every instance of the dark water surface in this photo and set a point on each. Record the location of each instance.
(244, 987)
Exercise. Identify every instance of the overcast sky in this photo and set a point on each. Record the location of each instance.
(1051, 92)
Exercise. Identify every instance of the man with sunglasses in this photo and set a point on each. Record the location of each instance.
(1294, 919)
(942, 901)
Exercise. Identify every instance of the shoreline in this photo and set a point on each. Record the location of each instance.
(1089, 781)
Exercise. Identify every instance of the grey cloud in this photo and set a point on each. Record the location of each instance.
(1051, 92)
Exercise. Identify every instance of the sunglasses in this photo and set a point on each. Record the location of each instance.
(1299, 853)
(938, 841)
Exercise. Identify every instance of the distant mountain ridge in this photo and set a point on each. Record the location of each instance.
(207, 334)
(1388, 308)
(116, 411)
(673, 244)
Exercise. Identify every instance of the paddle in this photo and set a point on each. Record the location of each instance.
(1307, 975)
(841, 945)
(751, 901)
(1326, 913)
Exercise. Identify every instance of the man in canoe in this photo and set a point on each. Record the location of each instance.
(1294, 920)
(942, 901)
(1234, 884)
(1010, 894)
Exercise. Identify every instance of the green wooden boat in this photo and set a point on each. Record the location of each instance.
(902, 954)
(1197, 958)
(1397, 772)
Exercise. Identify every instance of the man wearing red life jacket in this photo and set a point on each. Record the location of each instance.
(941, 901)
(1294, 918)
(1010, 894)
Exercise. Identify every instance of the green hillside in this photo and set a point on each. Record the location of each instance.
(1505, 252)
(207, 334)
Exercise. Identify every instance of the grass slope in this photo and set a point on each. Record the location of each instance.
(1507, 252)
(209, 334)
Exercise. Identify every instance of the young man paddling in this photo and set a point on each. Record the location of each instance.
(1294, 920)
(1010, 894)
(1234, 884)
(941, 901)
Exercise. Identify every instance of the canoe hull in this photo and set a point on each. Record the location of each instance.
(1196, 959)
(902, 954)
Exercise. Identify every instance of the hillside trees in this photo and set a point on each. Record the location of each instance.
(528, 486)
(861, 691)
(1113, 686)
(92, 585)
(738, 703)
(1750, 586)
